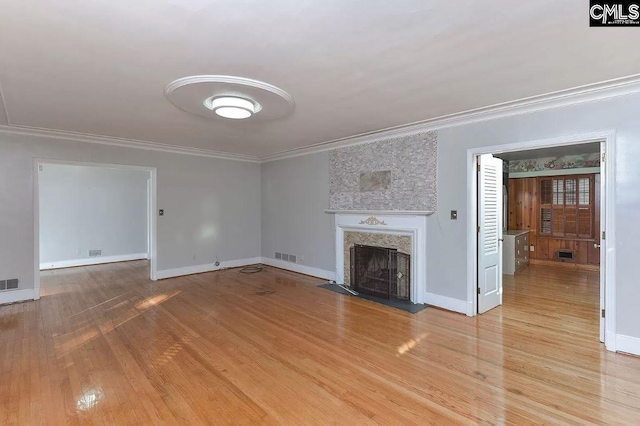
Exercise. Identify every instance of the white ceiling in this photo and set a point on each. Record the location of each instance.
(557, 151)
(100, 67)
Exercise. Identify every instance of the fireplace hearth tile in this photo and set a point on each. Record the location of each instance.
(403, 305)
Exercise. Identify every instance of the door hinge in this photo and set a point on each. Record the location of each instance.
(604, 156)
(478, 166)
(604, 235)
(603, 313)
(478, 229)
(478, 290)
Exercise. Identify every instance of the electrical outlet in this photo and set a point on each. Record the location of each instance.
(161, 212)
(300, 258)
(454, 214)
(532, 248)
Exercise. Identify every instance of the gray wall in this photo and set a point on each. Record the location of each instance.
(86, 208)
(295, 193)
(212, 207)
(447, 239)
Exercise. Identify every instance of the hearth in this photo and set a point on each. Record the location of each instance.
(380, 271)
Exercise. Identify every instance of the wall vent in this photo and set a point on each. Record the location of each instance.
(566, 255)
(285, 257)
(11, 284)
(278, 255)
(95, 253)
(292, 258)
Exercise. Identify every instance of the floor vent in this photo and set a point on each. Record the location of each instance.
(569, 255)
(95, 253)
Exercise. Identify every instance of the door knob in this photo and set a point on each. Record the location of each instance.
(596, 245)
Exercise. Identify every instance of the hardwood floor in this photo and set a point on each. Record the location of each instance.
(107, 346)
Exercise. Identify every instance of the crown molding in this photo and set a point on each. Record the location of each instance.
(126, 143)
(577, 95)
(582, 94)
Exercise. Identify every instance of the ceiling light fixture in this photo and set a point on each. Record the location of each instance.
(231, 107)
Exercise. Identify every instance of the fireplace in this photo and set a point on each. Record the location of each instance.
(404, 233)
(380, 271)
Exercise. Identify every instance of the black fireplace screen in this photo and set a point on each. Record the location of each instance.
(380, 271)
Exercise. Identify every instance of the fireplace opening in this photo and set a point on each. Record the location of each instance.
(380, 271)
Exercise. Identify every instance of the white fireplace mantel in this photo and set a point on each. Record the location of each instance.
(413, 224)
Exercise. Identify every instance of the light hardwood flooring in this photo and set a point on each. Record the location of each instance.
(107, 346)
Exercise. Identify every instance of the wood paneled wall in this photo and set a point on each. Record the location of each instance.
(523, 214)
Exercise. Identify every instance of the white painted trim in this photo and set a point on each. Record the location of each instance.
(608, 137)
(301, 269)
(567, 172)
(4, 105)
(37, 162)
(382, 212)
(13, 296)
(448, 303)
(209, 267)
(577, 95)
(125, 143)
(92, 261)
(628, 344)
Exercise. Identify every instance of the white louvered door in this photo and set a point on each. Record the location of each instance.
(490, 233)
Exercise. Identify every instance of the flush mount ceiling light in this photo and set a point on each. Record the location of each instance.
(232, 107)
(228, 97)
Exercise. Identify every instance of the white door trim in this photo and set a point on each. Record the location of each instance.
(37, 162)
(608, 224)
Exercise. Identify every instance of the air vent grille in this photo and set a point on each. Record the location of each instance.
(278, 255)
(95, 253)
(292, 258)
(11, 284)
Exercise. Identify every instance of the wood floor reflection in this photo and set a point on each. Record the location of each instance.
(107, 346)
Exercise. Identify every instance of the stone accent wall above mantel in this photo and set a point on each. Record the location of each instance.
(394, 174)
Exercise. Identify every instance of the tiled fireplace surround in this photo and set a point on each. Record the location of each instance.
(404, 232)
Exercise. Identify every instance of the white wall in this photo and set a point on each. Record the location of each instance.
(86, 208)
(212, 206)
(447, 239)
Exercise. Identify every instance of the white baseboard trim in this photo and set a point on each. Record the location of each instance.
(628, 344)
(447, 303)
(92, 261)
(210, 267)
(301, 269)
(13, 296)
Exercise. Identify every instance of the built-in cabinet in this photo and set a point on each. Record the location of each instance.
(546, 243)
(515, 251)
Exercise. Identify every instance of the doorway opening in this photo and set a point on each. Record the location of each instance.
(540, 228)
(91, 213)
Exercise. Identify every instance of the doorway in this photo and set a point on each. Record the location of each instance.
(92, 213)
(487, 227)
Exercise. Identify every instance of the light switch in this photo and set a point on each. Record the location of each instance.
(454, 214)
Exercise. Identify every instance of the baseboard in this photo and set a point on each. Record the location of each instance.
(448, 303)
(628, 344)
(301, 269)
(584, 266)
(13, 296)
(92, 261)
(210, 267)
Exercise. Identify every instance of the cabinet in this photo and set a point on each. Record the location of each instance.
(515, 251)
